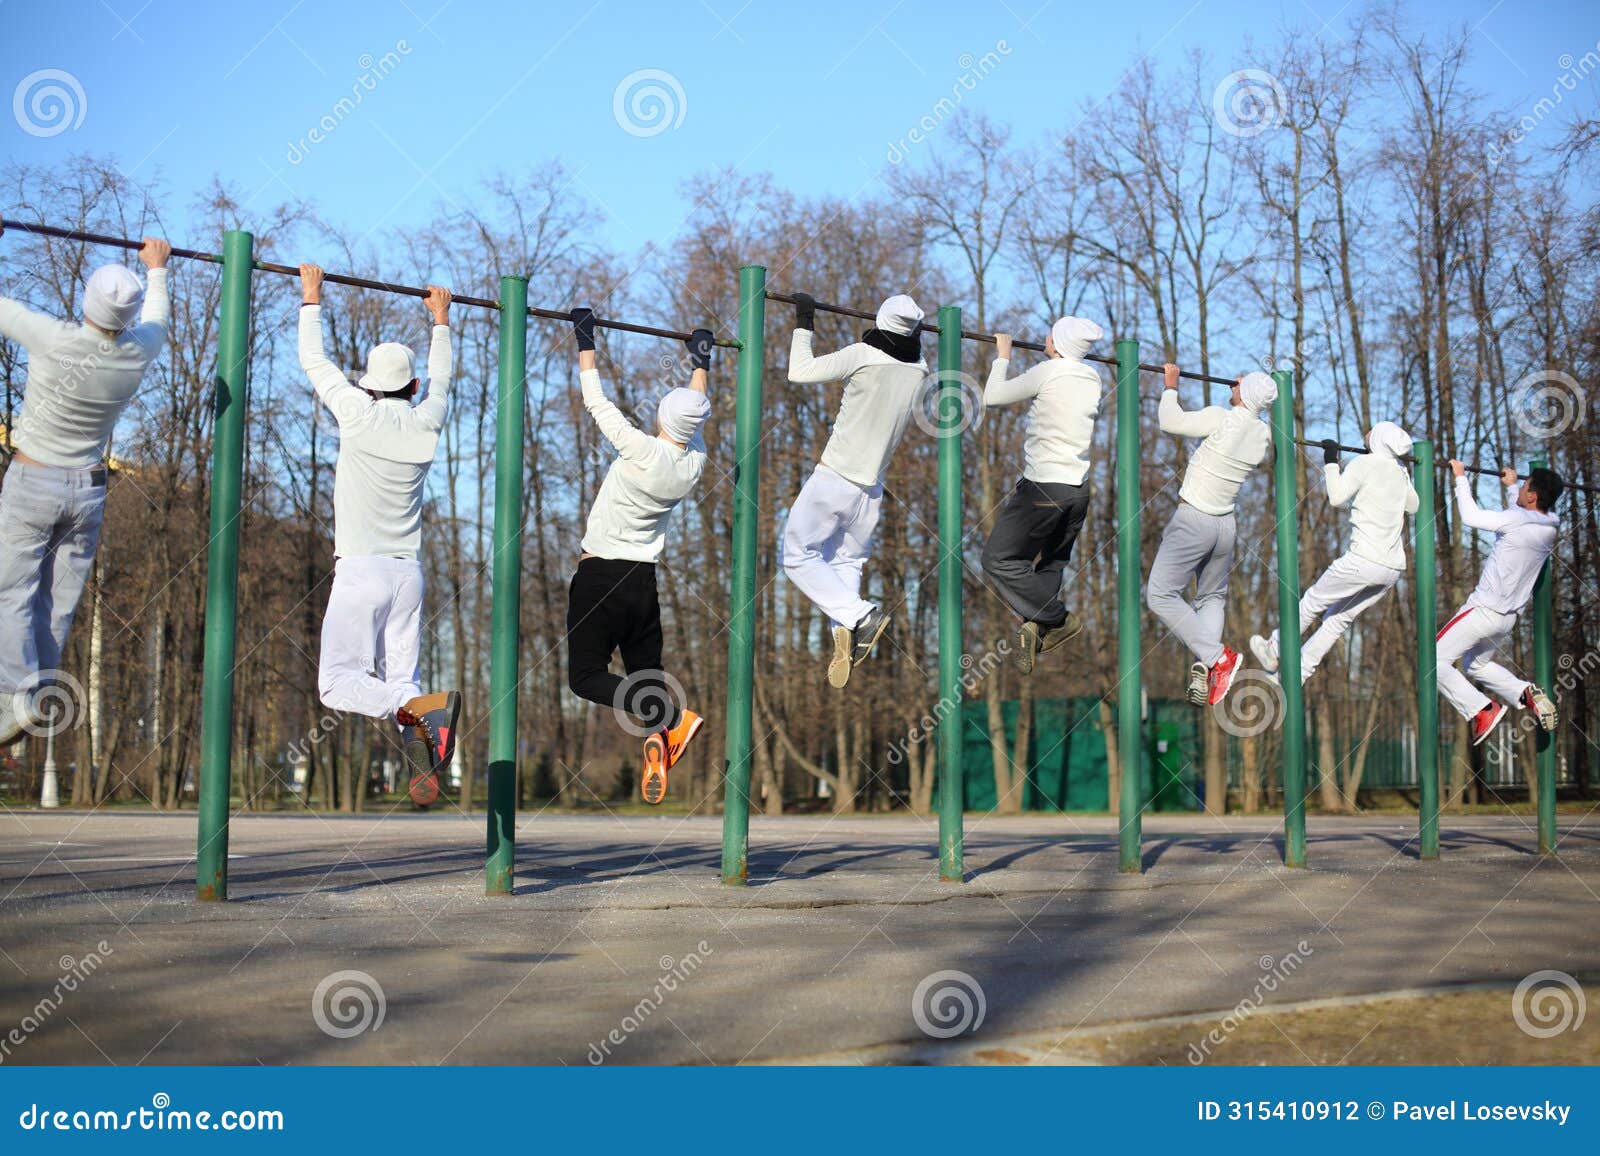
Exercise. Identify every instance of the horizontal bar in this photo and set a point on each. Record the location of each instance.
(630, 327)
(1442, 466)
(101, 239)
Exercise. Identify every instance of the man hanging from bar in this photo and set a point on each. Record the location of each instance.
(1198, 542)
(81, 376)
(827, 538)
(612, 605)
(1524, 538)
(372, 631)
(1032, 539)
(1378, 490)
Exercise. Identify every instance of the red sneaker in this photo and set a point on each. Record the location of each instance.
(1486, 720)
(1220, 677)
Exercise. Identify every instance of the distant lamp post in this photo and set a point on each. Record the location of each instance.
(50, 796)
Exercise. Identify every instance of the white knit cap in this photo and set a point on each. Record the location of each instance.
(1388, 438)
(113, 297)
(681, 413)
(390, 366)
(1074, 335)
(899, 315)
(1258, 391)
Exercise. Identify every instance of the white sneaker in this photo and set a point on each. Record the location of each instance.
(12, 724)
(1199, 684)
(1266, 653)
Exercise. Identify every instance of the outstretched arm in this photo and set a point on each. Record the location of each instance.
(805, 368)
(630, 440)
(27, 328)
(1471, 513)
(441, 358)
(1343, 483)
(999, 389)
(335, 390)
(1174, 419)
(700, 344)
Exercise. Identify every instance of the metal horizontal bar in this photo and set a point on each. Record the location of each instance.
(630, 327)
(1442, 466)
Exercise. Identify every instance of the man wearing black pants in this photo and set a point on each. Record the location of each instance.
(1032, 539)
(612, 604)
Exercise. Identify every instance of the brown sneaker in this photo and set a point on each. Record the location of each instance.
(1054, 636)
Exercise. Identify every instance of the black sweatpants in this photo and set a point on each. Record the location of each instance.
(611, 606)
(1031, 544)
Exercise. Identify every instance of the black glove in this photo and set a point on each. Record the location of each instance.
(805, 311)
(700, 343)
(1330, 452)
(583, 327)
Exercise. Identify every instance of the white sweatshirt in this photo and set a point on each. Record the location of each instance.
(628, 521)
(1236, 442)
(879, 393)
(1066, 400)
(385, 448)
(80, 380)
(1380, 495)
(1523, 542)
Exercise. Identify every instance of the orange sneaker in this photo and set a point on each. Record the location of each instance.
(654, 786)
(678, 737)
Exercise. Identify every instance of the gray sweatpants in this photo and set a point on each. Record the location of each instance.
(1200, 547)
(49, 529)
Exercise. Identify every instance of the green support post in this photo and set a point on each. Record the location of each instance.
(742, 595)
(1285, 486)
(1544, 673)
(505, 648)
(950, 424)
(1130, 740)
(222, 567)
(1427, 653)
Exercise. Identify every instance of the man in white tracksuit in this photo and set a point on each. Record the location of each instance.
(1198, 542)
(81, 376)
(1033, 535)
(1524, 538)
(1379, 492)
(828, 536)
(372, 631)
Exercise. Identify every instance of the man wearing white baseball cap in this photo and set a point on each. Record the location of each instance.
(1032, 539)
(81, 377)
(372, 631)
(827, 538)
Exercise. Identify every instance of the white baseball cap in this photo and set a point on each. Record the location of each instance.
(390, 366)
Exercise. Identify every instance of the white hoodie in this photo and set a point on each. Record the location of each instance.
(875, 410)
(1523, 542)
(1065, 392)
(1379, 492)
(1236, 442)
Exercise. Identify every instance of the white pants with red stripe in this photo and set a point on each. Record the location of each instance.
(1347, 588)
(1471, 638)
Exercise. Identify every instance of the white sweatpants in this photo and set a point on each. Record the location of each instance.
(372, 636)
(1345, 590)
(1472, 637)
(827, 540)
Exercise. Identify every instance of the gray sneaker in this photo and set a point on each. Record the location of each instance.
(866, 634)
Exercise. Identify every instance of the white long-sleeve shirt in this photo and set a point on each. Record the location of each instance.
(1065, 393)
(629, 518)
(80, 380)
(1235, 442)
(879, 393)
(1380, 495)
(385, 448)
(1523, 542)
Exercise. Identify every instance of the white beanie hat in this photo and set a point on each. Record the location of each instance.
(1258, 391)
(1388, 438)
(681, 413)
(113, 297)
(390, 366)
(1073, 336)
(899, 314)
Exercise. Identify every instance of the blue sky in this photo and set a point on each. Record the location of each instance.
(811, 93)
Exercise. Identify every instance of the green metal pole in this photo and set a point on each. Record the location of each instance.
(952, 785)
(505, 648)
(222, 567)
(1427, 654)
(1285, 466)
(742, 596)
(1130, 746)
(1544, 673)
